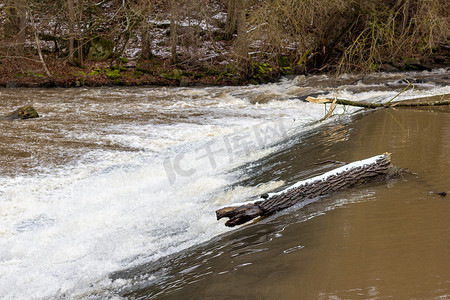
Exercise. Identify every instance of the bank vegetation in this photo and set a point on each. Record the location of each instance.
(182, 42)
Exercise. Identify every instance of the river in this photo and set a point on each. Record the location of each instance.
(112, 192)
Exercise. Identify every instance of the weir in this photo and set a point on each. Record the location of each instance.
(84, 192)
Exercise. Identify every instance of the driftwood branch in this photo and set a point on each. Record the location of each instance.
(407, 87)
(377, 167)
(330, 111)
(438, 100)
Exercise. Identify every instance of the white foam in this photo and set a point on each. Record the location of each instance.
(64, 230)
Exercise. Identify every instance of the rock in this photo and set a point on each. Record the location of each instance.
(184, 82)
(298, 79)
(414, 64)
(11, 85)
(146, 68)
(100, 49)
(26, 112)
(177, 73)
(174, 74)
(422, 67)
(441, 60)
(399, 66)
(388, 68)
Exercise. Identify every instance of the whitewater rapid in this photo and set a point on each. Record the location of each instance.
(130, 175)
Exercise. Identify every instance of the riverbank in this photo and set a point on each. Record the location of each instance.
(15, 73)
(190, 43)
(26, 72)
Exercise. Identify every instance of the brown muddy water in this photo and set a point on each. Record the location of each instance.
(111, 194)
(379, 241)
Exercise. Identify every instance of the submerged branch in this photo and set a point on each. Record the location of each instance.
(407, 87)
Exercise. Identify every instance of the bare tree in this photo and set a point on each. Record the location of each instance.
(71, 15)
(38, 44)
(173, 30)
(241, 46)
(15, 27)
(231, 23)
(146, 45)
(80, 37)
(22, 25)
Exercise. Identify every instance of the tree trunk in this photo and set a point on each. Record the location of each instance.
(11, 24)
(173, 31)
(230, 25)
(71, 13)
(437, 100)
(22, 26)
(80, 34)
(377, 167)
(15, 24)
(242, 58)
(146, 43)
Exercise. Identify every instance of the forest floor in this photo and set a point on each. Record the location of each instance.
(17, 72)
(26, 72)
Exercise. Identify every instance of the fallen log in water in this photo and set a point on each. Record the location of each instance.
(377, 167)
(438, 100)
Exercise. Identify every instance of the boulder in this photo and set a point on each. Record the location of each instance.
(11, 85)
(184, 82)
(26, 112)
(100, 49)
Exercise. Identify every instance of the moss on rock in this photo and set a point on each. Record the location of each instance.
(26, 112)
(100, 49)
